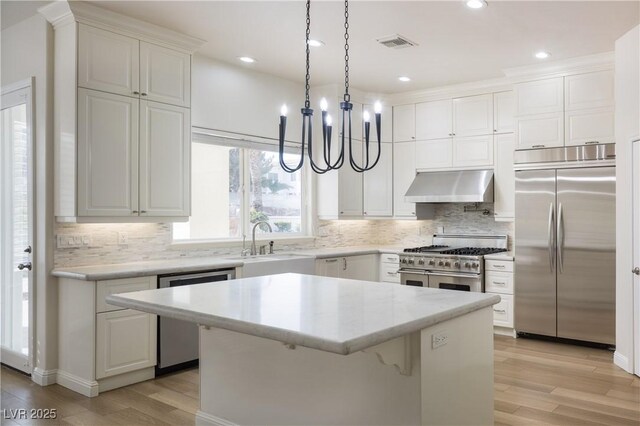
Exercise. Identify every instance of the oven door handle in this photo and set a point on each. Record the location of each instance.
(440, 274)
(412, 271)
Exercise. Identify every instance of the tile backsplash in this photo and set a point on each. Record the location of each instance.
(153, 241)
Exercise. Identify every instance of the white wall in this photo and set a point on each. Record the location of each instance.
(27, 51)
(627, 129)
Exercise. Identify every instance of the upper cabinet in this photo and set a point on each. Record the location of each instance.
(404, 123)
(504, 107)
(386, 132)
(572, 110)
(434, 120)
(473, 115)
(378, 183)
(122, 117)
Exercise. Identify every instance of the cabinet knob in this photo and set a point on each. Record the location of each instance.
(135, 211)
(413, 137)
(143, 211)
(143, 94)
(136, 93)
(495, 130)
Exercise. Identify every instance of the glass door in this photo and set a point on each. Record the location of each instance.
(16, 229)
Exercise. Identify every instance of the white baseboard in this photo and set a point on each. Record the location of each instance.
(504, 331)
(121, 380)
(44, 377)
(205, 419)
(622, 362)
(78, 384)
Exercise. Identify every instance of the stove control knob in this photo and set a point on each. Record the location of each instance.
(403, 261)
(432, 262)
(474, 265)
(467, 265)
(441, 263)
(410, 261)
(421, 262)
(447, 264)
(456, 264)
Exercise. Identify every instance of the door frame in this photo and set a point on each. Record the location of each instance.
(635, 189)
(28, 96)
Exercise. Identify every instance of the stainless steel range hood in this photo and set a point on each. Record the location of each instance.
(462, 186)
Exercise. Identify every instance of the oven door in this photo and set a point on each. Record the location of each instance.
(459, 282)
(414, 277)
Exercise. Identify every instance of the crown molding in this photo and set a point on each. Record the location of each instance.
(59, 11)
(452, 91)
(581, 64)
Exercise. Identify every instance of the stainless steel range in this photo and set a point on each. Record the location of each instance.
(453, 262)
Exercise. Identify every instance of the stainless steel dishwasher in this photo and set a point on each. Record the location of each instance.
(178, 341)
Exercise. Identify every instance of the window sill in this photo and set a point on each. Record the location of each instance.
(203, 244)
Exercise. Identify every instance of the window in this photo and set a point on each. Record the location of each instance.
(233, 187)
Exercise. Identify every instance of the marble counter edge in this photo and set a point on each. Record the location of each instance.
(287, 337)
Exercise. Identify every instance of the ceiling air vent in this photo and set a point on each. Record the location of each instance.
(396, 41)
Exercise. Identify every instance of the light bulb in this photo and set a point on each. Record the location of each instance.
(328, 120)
(542, 54)
(366, 117)
(283, 110)
(377, 107)
(323, 104)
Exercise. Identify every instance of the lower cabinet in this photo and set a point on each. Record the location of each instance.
(361, 267)
(389, 266)
(498, 278)
(102, 346)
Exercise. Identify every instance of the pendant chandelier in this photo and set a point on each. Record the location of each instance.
(346, 106)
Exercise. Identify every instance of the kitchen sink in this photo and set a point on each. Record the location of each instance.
(268, 264)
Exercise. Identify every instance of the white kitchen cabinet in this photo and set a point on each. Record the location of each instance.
(473, 115)
(590, 90)
(107, 154)
(378, 183)
(108, 61)
(102, 346)
(434, 120)
(504, 178)
(350, 184)
(540, 130)
(404, 123)
(386, 133)
(389, 266)
(359, 267)
(473, 151)
(165, 155)
(434, 154)
(504, 109)
(404, 172)
(498, 277)
(125, 342)
(165, 75)
(357, 124)
(589, 126)
(503, 312)
(540, 96)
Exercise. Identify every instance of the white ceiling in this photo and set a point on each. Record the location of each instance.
(456, 44)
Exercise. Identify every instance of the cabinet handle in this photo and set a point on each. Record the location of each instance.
(592, 142)
(499, 266)
(143, 211)
(136, 93)
(537, 146)
(331, 260)
(143, 94)
(344, 264)
(500, 283)
(500, 311)
(391, 273)
(135, 211)
(453, 134)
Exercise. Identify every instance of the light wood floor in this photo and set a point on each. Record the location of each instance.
(536, 382)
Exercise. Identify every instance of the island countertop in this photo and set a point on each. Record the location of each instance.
(330, 314)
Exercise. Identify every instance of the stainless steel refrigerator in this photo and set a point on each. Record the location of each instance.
(565, 243)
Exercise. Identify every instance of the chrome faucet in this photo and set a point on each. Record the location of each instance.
(254, 251)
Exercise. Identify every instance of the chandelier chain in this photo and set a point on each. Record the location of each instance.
(307, 103)
(346, 50)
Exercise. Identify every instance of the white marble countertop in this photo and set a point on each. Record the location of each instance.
(507, 255)
(169, 266)
(330, 314)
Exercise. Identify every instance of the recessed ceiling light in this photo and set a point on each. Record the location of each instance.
(404, 79)
(542, 54)
(247, 59)
(316, 43)
(476, 4)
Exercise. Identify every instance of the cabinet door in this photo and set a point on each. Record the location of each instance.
(473, 151)
(331, 267)
(540, 97)
(165, 149)
(473, 115)
(504, 178)
(592, 90)
(589, 126)
(404, 123)
(107, 154)
(165, 75)
(504, 109)
(386, 132)
(378, 184)
(350, 184)
(363, 267)
(125, 341)
(434, 154)
(503, 311)
(108, 61)
(404, 172)
(434, 120)
(540, 130)
(123, 285)
(357, 125)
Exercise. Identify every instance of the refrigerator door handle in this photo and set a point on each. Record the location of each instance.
(550, 238)
(560, 234)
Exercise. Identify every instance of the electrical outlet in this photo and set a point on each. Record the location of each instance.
(123, 238)
(439, 339)
(440, 230)
(86, 240)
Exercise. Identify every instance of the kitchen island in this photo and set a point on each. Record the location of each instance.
(300, 349)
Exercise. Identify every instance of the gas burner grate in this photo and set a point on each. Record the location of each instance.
(425, 249)
(473, 251)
